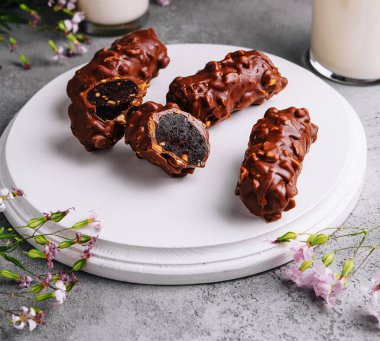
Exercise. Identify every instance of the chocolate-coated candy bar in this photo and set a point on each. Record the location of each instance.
(241, 79)
(277, 146)
(167, 137)
(115, 80)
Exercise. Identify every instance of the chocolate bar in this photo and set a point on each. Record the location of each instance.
(273, 161)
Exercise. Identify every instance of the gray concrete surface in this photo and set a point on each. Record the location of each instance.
(261, 307)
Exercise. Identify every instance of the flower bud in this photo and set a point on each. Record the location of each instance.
(36, 222)
(35, 254)
(306, 264)
(78, 265)
(318, 239)
(287, 237)
(58, 216)
(348, 266)
(80, 224)
(46, 296)
(9, 274)
(70, 286)
(84, 238)
(67, 243)
(41, 239)
(328, 258)
(35, 289)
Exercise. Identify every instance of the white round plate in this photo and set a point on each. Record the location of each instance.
(160, 230)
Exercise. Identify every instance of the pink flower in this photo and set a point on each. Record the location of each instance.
(60, 293)
(58, 55)
(24, 281)
(301, 251)
(76, 49)
(295, 275)
(87, 252)
(25, 317)
(94, 222)
(35, 18)
(51, 250)
(325, 283)
(17, 192)
(73, 24)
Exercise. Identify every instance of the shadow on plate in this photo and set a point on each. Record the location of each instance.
(121, 161)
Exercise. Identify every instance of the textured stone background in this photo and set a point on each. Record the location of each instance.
(261, 307)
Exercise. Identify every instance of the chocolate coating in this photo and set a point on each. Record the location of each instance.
(241, 79)
(167, 137)
(268, 174)
(115, 80)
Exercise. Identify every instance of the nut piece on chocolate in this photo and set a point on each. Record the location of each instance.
(115, 80)
(167, 137)
(241, 79)
(277, 146)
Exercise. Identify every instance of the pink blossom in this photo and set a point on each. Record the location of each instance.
(87, 252)
(35, 18)
(17, 192)
(73, 24)
(301, 251)
(58, 55)
(51, 250)
(325, 283)
(60, 293)
(94, 222)
(295, 275)
(24, 281)
(76, 49)
(25, 317)
(48, 278)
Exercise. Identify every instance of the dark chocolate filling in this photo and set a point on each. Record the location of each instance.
(176, 134)
(111, 98)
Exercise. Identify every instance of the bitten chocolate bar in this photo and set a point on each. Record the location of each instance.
(115, 80)
(273, 161)
(167, 137)
(241, 79)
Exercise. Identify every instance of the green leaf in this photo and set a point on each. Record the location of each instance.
(8, 235)
(2, 230)
(12, 260)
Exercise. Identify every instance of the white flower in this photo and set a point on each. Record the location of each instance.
(25, 317)
(60, 293)
(73, 24)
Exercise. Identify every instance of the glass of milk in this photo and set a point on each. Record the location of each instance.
(345, 40)
(113, 17)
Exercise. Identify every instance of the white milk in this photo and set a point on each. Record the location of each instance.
(113, 12)
(346, 37)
